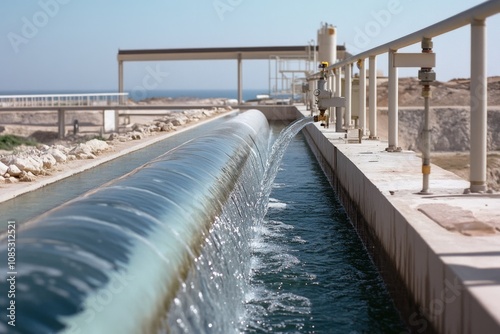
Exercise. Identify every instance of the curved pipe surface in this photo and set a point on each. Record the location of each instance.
(112, 260)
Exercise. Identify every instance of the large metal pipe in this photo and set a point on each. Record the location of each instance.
(129, 244)
(478, 107)
(372, 97)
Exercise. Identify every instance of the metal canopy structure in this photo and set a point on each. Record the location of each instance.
(214, 53)
(227, 53)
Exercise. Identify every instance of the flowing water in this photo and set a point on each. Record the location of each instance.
(300, 268)
(310, 271)
(197, 245)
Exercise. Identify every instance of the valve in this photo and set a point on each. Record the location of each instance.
(324, 99)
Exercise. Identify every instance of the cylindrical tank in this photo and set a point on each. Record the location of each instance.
(327, 43)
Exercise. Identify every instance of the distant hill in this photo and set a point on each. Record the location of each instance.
(455, 92)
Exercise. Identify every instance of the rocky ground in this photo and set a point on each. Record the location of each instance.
(29, 163)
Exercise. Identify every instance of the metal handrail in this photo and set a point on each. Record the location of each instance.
(479, 12)
(475, 17)
(53, 100)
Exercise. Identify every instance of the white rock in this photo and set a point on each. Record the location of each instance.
(28, 164)
(14, 170)
(167, 127)
(3, 168)
(180, 120)
(97, 145)
(2, 179)
(48, 161)
(208, 113)
(27, 177)
(11, 180)
(58, 155)
(62, 148)
(84, 156)
(81, 149)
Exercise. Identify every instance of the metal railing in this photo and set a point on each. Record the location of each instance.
(63, 100)
(475, 17)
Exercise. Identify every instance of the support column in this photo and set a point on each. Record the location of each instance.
(393, 105)
(478, 107)
(61, 123)
(331, 85)
(120, 76)
(372, 97)
(338, 93)
(348, 95)
(362, 96)
(240, 80)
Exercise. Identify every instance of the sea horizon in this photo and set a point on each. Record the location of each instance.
(248, 94)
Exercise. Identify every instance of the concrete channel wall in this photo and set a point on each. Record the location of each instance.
(441, 280)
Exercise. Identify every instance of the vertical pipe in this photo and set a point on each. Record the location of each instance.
(426, 77)
(393, 104)
(478, 107)
(362, 96)
(240, 80)
(270, 76)
(338, 93)
(348, 95)
(120, 76)
(426, 156)
(372, 98)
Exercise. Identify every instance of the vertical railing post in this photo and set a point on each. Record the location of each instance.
(120, 76)
(331, 82)
(372, 97)
(348, 95)
(393, 105)
(338, 93)
(478, 108)
(240, 80)
(362, 96)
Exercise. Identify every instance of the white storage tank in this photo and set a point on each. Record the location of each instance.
(327, 43)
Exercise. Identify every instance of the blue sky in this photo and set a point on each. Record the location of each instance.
(56, 45)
